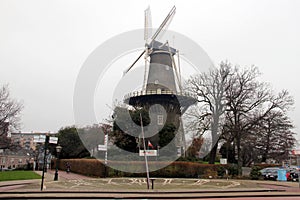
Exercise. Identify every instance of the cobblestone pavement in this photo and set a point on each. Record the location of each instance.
(71, 184)
(63, 175)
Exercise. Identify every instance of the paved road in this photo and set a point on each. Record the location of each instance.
(254, 198)
(148, 195)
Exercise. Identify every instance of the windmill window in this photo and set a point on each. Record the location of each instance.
(160, 120)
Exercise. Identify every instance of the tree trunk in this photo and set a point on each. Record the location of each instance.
(215, 138)
(227, 149)
(213, 154)
(264, 158)
(239, 152)
(266, 152)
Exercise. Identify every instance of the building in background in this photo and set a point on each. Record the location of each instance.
(23, 151)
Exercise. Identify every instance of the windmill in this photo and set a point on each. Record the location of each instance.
(162, 79)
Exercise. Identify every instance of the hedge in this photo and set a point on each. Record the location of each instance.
(88, 167)
(177, 169)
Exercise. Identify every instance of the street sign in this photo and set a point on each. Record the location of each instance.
(223, 161)
(39, 138)
(102, 147)
(36, 138)
(53, 140)
(148, 152)
(42, 138)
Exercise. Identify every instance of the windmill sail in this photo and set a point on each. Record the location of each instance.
(163, 27)
(148, 25)
(147, 31)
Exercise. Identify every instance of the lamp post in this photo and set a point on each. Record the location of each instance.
(58, 150)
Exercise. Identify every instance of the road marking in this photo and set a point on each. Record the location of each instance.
(200, 182)
(167, 181)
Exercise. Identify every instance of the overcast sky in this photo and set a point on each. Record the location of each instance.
(43, 45)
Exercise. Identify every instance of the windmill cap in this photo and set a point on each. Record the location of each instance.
(155, 45)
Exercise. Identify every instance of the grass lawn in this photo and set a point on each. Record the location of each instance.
(18, 175)
(206, 162)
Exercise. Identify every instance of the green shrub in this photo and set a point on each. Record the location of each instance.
(233, 170)
(255, 173)
(221, 171)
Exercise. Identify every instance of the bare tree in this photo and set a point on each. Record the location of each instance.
(249, 116)
(211, 91)
(198, 120)
(269, 131)
(10, 111)
(275, 136)
(272, 138)
(244, 96)
(249, 102)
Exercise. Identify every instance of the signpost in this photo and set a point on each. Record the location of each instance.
(44, 139)
(145, 154)
(103, 147)
(45, 152)
(148, 153)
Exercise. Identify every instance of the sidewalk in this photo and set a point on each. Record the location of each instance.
(62, 175)
(19, 182)
(48, 177)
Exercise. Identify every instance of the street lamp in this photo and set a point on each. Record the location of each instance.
(58, 150)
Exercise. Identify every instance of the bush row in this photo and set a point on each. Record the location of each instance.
(178, 169)
(88, 167)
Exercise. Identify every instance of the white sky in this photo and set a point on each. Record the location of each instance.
(43, 44)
